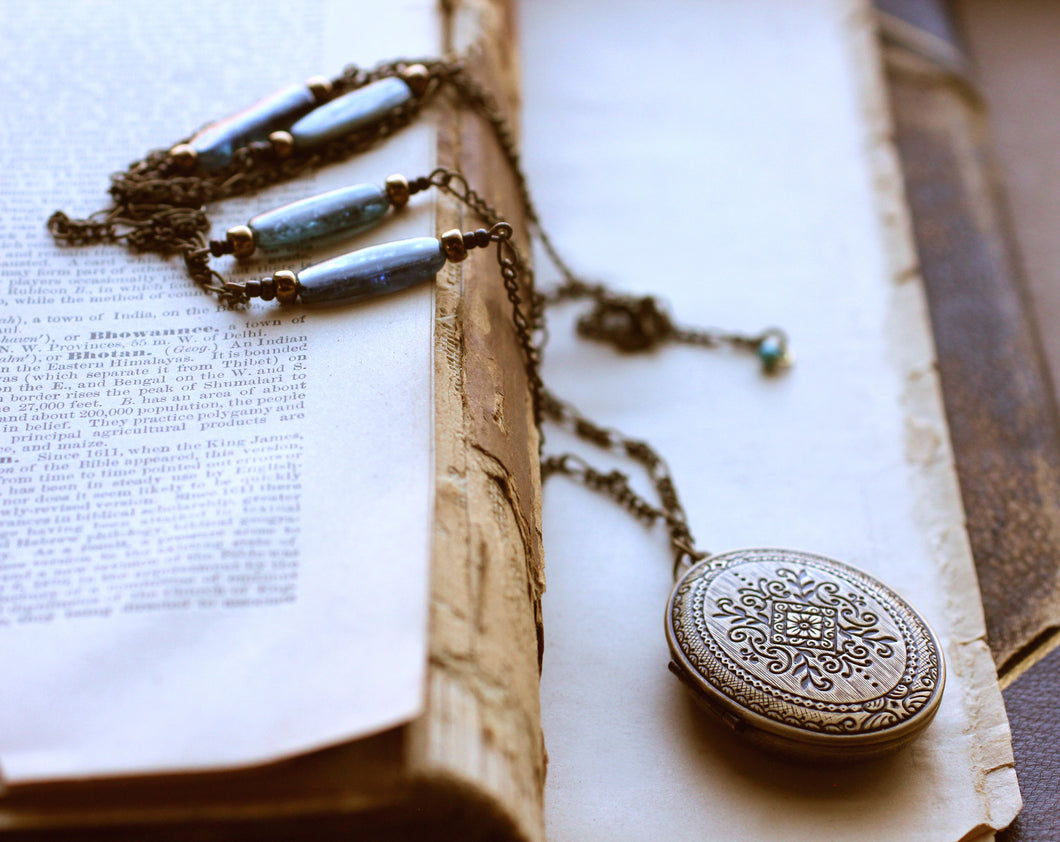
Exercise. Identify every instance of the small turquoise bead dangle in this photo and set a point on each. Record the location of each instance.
(774, 351)
(637, 324)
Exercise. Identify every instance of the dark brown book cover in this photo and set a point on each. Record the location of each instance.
(998, 394)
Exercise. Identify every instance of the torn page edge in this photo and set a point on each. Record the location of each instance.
(928, 449)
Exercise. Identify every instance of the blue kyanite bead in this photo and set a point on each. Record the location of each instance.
(773, 351)
(350, 112)
(371, 271)
(216, 144)
(329, 216)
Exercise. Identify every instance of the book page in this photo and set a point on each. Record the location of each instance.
(734, 159)
(214, 524)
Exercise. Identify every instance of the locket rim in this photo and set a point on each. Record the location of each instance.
(770, 731)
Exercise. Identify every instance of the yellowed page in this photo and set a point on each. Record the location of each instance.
(215, 523)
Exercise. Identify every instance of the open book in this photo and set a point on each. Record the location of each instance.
(300, 599)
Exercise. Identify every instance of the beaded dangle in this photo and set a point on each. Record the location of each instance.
(360, 274)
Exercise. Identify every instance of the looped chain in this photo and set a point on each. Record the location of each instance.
(510, 263)
(616, 484)
(455, 184)
(167, 230)
(630, 324)
(197, 262)
(501, 232)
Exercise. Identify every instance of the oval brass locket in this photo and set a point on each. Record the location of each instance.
(804, 654)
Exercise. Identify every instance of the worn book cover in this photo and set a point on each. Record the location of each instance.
(973, 88)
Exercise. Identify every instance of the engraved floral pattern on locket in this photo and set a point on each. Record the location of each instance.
(806, 642)
(799, 625)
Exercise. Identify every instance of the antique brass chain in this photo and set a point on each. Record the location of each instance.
(159, 208)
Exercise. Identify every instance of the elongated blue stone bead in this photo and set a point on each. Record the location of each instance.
(350, 112)
(318, 219)
(216, 144)
(375, 270)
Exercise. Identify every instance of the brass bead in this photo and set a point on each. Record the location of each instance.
(242, 240)
(282, 143)
(184, 156)
(286, 286)
(416, 76)
(397, 191)
(319, 87)
(453, 245)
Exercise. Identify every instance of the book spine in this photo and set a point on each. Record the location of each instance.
(481, 732)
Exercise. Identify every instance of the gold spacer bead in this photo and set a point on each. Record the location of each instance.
(184, 156)
(319, 87)
(417, 77)
(286, 286)
(397, 191)
(453, 245)
(242, 240)
(282, 143)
